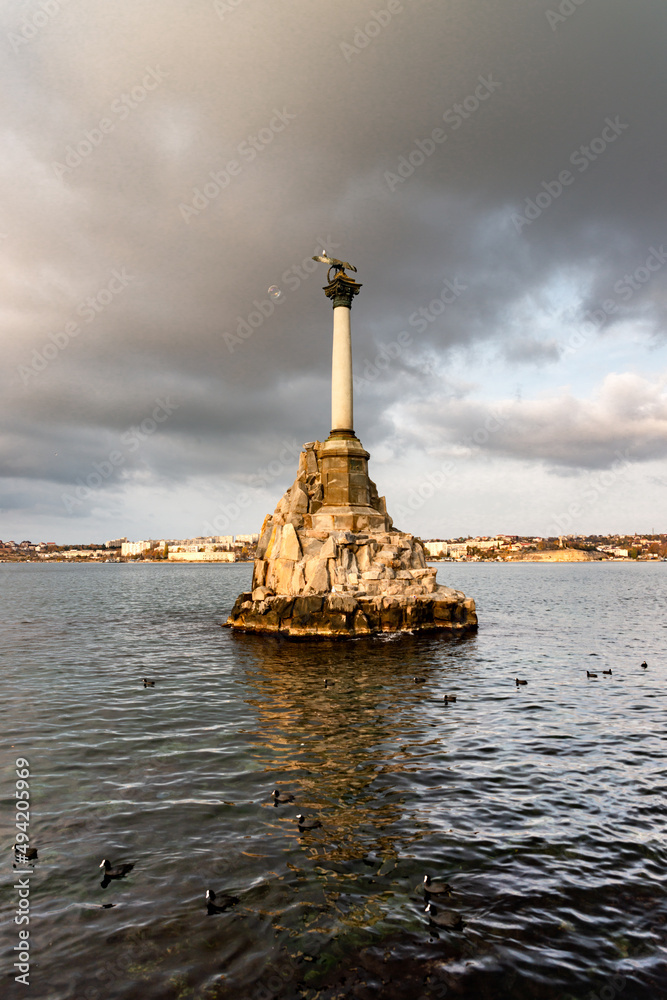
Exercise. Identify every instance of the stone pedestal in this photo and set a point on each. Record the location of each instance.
(331, 564)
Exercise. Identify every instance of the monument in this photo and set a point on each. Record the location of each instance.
(329, 561)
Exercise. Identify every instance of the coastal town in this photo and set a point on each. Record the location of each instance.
(241, 548)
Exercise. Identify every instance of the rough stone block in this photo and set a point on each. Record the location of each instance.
(280, 579)
(317, 577)
(341, 603)
(298, 502)
(330, 549)
(273, 545)
(305, 607)
(282, 606)
(360, 623)
(259, 573)
(289, 546)
(298, 580)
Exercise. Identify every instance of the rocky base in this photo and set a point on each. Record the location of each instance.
(343, 616)
(331, 564)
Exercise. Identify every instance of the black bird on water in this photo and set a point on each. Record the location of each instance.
(518, 682)
(224, 902)
(307, 824)
(435, 888)
(607, 672)
(280, 798)
(29, 853)
(327, 682)
(148, 683)
(445, 918)
(419, 680)
(449, 698)
(644, 664)
(120, 871)
(589, 674)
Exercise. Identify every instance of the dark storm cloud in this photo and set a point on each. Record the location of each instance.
(168, 163)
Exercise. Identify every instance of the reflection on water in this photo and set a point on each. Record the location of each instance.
(542, 806)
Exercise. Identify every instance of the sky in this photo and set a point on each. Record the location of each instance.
(496, 173)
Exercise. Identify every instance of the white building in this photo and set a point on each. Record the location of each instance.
(436, 549)
(136, 548)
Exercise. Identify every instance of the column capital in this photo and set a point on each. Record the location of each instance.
(342, 290)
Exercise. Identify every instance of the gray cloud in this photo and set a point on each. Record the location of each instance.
(120, 116)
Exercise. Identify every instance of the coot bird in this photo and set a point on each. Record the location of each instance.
(120, 871)
(419, 680)
(279, 798)
(589, 674)
(518, 682)
(223, 902)
(444, 918)
(29, 853)
(327, 682)
(449, 698)
(432, 888)
(607, 672)
(148, 683)
(644, 664)
(307, 824)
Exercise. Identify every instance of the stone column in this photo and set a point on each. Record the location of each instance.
(342, 418)
(341, 291)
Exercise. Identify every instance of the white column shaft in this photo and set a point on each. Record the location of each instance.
(341, 371)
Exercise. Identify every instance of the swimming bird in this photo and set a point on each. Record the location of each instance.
(327, 682)
(644, 664)
(29, 853)
(419, 680)
(280, 798)
(435, 888)
(520, 682)
(148, 683)
(307, 824)
(120, 871)
(448, 698)
(224, 902)
(589, 674)
(452, 921)
(607, 672)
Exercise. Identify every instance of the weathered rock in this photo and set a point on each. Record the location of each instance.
(380, 575)
(317, 577)
(290, 547)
